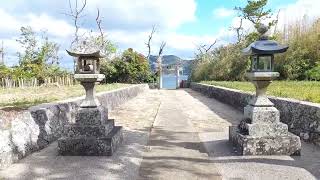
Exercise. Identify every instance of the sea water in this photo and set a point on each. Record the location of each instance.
(169, 81)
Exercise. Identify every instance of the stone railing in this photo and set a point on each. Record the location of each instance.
(302, 118)
(37, 127)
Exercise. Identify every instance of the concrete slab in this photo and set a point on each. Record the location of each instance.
(175, 150)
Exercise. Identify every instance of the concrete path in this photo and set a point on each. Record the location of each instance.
(170, 134)
(175, 150)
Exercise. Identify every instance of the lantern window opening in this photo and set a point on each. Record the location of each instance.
(262, 63)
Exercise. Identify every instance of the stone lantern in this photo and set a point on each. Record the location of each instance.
(261, 132)
(87, 72)
(92, 134)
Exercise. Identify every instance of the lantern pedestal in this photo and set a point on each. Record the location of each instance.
(88, 82)
(92, 134)
(262, 133)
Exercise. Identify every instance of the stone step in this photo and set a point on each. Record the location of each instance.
(91, 146)
(261, 130)
(268, 145)
(262, 114)
(76, 130)
(91, 116)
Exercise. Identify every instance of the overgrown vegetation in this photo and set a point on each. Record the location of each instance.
(300, 62)
(302, 90)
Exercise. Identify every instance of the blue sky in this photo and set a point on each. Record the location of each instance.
(210, 22)
(183, 24)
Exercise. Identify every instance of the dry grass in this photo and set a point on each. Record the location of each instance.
(26, 97)
(301, 90)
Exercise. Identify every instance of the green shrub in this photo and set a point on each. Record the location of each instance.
(132, 67)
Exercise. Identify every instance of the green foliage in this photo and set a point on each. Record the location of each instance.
(132, 67)
(302, 59)
(224, 63)
(314, 73)
(39, 58)
(5, 71)
(254, 11)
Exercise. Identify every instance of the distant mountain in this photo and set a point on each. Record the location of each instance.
(170, 60)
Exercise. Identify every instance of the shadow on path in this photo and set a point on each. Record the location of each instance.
(221, 151)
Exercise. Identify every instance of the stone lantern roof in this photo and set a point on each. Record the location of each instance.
(264, 46)
(96, 54)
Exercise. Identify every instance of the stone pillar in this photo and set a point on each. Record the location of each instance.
(90, 100)
(262, 133)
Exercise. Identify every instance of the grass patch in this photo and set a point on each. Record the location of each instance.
(301, 90)
(26, 97)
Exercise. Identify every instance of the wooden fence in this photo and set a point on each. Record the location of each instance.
(67, 80)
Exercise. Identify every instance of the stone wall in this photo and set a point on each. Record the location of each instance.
(37, 127)
(303, 118)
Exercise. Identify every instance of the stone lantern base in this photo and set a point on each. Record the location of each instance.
(265, 145)
(261, 132)
(92, 134)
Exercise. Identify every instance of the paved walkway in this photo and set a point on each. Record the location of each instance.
(170, 134)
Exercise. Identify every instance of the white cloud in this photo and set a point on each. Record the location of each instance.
(53, 26)
(126, 22)
(297, 11)
(144, 13)
(223, 12)
(8, 22)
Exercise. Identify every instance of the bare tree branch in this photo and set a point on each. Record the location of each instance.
(163, 44)
(76, 14)
(149, 41)
(276, 22)
(203, 49)
(239, 30)
(98, 21)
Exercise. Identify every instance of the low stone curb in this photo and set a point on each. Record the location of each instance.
(302, 118)
(34, 129)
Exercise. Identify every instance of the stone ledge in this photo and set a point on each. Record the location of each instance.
(302, 118)
(37, 127)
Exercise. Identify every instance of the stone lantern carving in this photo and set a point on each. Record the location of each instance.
(92, 134)
(262, 133)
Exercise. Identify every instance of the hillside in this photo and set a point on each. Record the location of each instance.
(171, 60)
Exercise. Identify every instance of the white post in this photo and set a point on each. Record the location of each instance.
(160, 72)
(177, 77)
